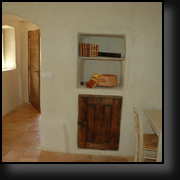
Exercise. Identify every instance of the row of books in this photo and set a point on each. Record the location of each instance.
(87, 49)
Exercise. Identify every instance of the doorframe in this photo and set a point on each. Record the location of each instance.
(39, 67)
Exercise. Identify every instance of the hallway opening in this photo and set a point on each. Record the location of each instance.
(21, 61)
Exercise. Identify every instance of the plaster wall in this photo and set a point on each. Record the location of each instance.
(59, 24)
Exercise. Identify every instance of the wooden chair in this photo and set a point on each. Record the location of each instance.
(146, 144)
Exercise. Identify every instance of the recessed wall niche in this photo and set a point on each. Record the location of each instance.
(101, 54)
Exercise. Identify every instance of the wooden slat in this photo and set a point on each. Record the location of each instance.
(102, 122)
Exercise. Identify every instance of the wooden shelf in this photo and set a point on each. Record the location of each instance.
(100, 88)
(110, 59)
(101, 58)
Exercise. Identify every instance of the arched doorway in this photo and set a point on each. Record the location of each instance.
(22, 83)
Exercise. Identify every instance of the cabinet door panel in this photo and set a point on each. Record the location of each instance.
(107, 122)
(101, 122)
(82, 114)
(91, 110)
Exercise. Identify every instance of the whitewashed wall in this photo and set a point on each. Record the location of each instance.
(12, 95)
(59, 24)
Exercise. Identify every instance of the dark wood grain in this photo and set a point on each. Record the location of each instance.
(100, 122)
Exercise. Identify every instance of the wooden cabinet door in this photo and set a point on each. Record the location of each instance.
(34, 68)
(99, 122)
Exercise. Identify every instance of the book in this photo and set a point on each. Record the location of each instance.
(94, 50)
(80, 49)
(90, 50)
(85, 50)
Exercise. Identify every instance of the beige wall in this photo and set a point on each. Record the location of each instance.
(9, 46)
(59, 24)
(11, 80)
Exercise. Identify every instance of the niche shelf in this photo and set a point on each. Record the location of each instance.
(102, 58)
(102, 54)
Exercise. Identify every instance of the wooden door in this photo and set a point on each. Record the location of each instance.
(99, 122)
(34, 68)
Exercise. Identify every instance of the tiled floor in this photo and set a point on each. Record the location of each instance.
(21, 141)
